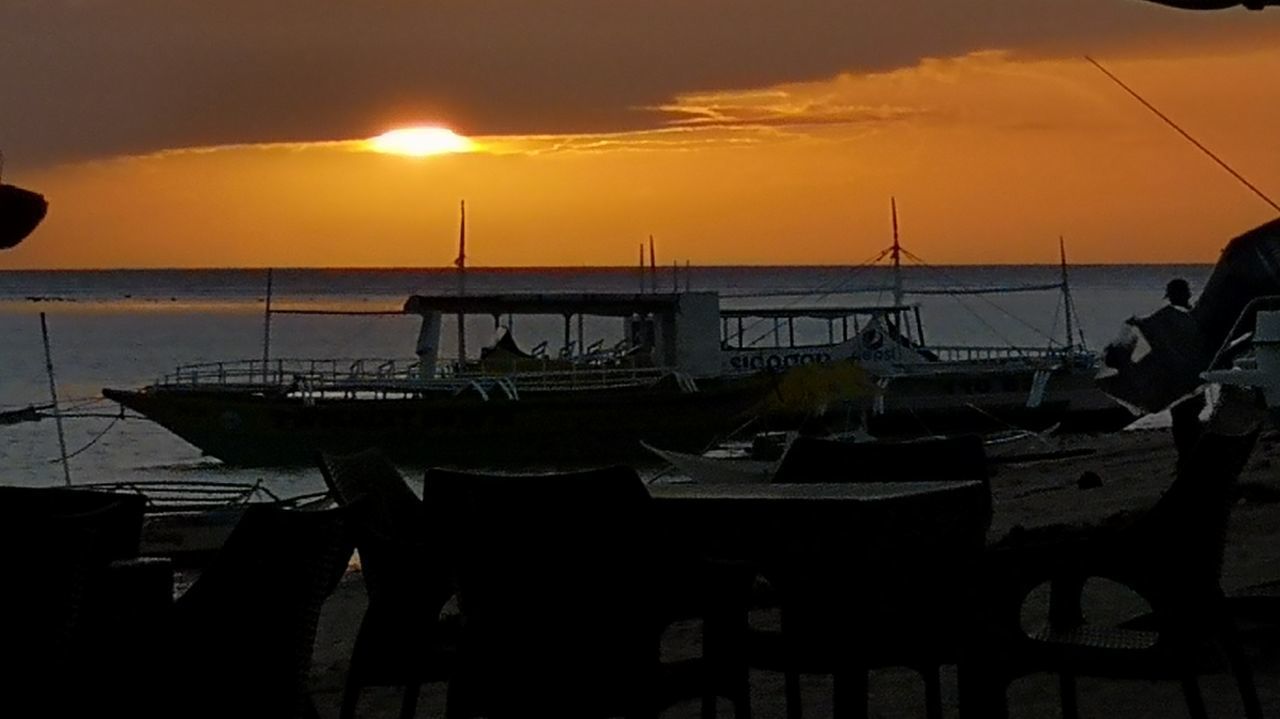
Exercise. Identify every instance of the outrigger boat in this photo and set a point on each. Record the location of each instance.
(661, 383)
(188, 521)
(927, 388)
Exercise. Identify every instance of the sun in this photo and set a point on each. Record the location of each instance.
(420, 142)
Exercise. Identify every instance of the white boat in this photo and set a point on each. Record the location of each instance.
(923, 387)
(717, 470)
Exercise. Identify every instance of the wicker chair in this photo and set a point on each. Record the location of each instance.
(565, 592)
(62, 543)
(240, 639)
(1171, 556)
(401, 641)
(845, 610)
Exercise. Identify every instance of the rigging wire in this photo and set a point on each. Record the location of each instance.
(840, 284)
(1185, 134)
(92, 442)
(980, 296)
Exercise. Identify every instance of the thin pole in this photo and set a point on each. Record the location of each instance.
(1066, 290)
(642, 268)
(896, 254)
(266, 331)
(686, 275)
(1184, 133)
(461, 264)
(53, 396)
(653, 268)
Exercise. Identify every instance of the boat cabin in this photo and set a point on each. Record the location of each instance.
(672, 331)
(777, 338)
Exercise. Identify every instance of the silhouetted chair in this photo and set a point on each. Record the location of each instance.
(401, 641)
(239, 641)
(845, 610)
(565, 591)
(1171, 557)
(61, 544)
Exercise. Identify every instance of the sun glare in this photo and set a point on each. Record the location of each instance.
(420, 142)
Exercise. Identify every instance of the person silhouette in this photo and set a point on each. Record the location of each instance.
(1178, 292)
(1186, 413)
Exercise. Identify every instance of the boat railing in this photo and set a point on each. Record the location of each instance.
(971, 353)
(283, 372)
(324, 377)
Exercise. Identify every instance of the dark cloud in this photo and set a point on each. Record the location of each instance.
(89, 78)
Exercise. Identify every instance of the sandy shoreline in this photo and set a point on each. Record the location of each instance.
(1135, 467)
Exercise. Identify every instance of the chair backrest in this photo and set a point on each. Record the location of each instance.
(369, 476)
(59, 544)
(247, 626)
(1181, 539)
(389, 529)
(555, 582)
(114, 518)
(809, 459)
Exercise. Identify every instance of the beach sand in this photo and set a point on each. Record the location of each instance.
(1135, 467)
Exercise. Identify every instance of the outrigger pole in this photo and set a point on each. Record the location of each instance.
(53, 396)
(1066, 292)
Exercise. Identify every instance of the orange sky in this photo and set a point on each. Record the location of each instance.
(991, 156)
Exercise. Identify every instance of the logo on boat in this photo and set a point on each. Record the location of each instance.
(776, 360)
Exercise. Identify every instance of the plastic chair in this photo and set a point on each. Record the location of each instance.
(565, 592)
(1171, 557)
(846, 611)
(401, 641)
(240, 639)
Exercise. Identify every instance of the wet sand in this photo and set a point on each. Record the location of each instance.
(1135, 467)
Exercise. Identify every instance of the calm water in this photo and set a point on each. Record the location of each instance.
(126, 328)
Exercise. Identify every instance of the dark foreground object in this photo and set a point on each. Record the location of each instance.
(20, 212)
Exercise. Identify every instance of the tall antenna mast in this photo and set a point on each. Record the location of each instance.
(266, 331)
(896, 253)
(1066, 291)
(461, 264)
(653, 268)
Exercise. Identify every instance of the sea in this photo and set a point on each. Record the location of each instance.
(127, 328)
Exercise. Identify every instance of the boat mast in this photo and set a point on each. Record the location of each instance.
(266, 330)
(53, 397)
(461, 264)
(1066, 292)
(896, 255)
(653, 268)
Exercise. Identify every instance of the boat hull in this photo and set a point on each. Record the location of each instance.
(255, 428)
(952, 397)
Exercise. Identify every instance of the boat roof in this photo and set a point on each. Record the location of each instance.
(608, 304)
(819, 312)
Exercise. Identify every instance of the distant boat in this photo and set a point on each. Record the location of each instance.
(924, 387)
(21, 211)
